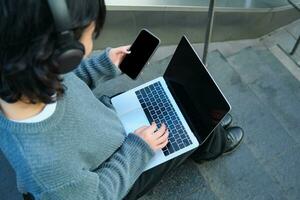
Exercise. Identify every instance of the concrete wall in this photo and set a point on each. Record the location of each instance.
(122, 26)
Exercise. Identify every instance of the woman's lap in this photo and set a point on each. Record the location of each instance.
(211, 149)
(151, 177)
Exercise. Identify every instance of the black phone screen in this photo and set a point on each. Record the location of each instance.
(141, 50)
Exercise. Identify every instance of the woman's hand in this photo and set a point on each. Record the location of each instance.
(155, 139)
(116, 55)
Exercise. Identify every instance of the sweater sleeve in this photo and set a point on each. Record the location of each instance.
(97, 68)
(112, 180)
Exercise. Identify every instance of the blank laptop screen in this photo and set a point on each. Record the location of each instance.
(195, 92)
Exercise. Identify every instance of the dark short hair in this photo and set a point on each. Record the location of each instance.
(27, 42)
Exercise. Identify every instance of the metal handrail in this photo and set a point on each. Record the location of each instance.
(294, 5)
(295, 46)
(209, 28)
(298, 40)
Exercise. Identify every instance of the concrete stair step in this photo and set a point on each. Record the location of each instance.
(276, 87)
(285, 39)
(295, 57)
(243, 174)
(286, 61)
(278, 93)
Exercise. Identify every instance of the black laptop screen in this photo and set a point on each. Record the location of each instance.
(195, 92)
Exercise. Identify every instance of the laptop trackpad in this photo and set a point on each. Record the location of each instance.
(134, 120)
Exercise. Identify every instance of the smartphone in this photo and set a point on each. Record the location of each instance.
(141, 51)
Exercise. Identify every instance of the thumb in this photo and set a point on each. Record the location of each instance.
(125, 49)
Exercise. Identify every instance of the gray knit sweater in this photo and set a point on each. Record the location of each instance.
(81, 151)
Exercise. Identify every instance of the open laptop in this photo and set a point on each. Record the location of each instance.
(186, 99)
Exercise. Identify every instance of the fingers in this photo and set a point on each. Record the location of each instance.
(162, 145)
(124, 49)
(157, 139)
(160, 131)
(151, 129)
(163, 138)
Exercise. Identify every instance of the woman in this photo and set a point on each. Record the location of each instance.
(61, 140)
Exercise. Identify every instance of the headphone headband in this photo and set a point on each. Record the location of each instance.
(60, 13)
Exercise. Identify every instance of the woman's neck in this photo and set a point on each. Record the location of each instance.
(20, 110)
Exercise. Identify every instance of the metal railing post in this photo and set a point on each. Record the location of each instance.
(211, 13)
(294, 5)
(298, 40)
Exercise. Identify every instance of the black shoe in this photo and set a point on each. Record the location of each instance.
(226, 121)
(233, 139)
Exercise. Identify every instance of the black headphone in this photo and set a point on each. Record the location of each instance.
(68, 51)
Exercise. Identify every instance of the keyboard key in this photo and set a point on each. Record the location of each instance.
(147, 90)
(176, 136)
(176, 147)
(152, 112)
(186, 142)
(172, 139)
(168, 108)
(166, 151)
(181, 145)
(170, 148)
(143, 93)
(179, 141)
(151, 87)
(148, 115)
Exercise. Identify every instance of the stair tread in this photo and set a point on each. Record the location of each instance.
(243, 174)
(276, 87)
(257, 68)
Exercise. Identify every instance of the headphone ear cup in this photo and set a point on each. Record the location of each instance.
(67, 56)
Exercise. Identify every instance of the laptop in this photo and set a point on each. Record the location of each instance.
(186, 99)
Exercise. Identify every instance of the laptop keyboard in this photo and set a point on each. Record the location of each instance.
(159, 109)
